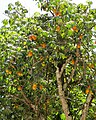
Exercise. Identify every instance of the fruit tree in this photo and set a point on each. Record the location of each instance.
(48, 62)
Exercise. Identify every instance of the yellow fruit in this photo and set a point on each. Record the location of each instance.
(43, 64)
(34, 87)
(19, 88)
(8, 71)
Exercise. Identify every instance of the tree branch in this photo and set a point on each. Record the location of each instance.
(29, 102)
(61, 92)
(86, 107)
(64, 65)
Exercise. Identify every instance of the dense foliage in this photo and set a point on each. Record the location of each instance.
(33, 48)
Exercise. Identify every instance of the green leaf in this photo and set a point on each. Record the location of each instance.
(62, 116)
(5, 22)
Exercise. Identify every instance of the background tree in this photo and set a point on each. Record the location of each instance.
(48, 63)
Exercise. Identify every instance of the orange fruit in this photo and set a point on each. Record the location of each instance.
(80, 37)
(19, 88)
(78, 45)
(89, 87)
(30, 53)
(32, 37)
(87, 91)
(91, 65)
(41, 87)
(57, 13)
(75, 28)
(58, 28)
(34, 87)
(73, 62)
(19, 73)
(43, 45)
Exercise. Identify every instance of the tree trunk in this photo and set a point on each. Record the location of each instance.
(62, 96)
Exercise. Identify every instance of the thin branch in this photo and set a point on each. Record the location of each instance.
(16, 97)
(29, 102)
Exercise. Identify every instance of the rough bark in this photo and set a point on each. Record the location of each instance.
(61, 92)
(86, 107)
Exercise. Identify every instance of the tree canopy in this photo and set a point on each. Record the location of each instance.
(48, 62)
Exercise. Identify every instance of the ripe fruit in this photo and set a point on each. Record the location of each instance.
(19, 88)
(91, 65)
(30, 53)
(41, 87)
(80, 37)
(43, 45)
(73, 62)
(57, 13)
(32, 37)
(74, 28)
(87, 91)
(34, 87)
(19, 73)
(8, 71)
(58, 28)
(78, 45)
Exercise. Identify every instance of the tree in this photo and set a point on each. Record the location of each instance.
(48, 63)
